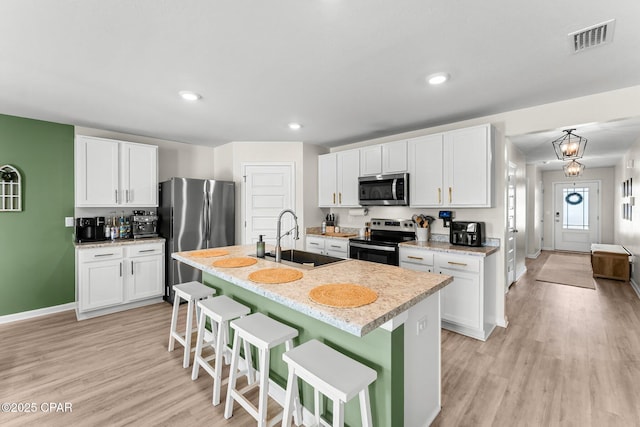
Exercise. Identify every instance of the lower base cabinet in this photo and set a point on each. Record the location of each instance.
(468, 303)
(115, 278)
(338, 248)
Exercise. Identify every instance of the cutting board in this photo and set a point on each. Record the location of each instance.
(338, 234)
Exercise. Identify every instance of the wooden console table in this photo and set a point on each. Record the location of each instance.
(610, 261)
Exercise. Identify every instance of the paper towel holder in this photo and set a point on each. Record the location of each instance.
(359, 212)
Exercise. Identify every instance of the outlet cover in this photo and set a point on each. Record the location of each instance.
(421, 325)
(68, 221)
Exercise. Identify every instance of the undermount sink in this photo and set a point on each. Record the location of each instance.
(303, 258)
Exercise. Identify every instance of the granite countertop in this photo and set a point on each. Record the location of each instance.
(119, 242)
(344, 234)
(449, 248)
(398, 288)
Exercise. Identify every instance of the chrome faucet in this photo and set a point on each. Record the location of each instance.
(296, 236)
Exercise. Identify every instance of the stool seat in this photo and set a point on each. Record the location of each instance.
(331, 373)
(190, 292)
(264, 333)
(220, 310)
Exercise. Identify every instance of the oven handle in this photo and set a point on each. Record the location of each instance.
(376, 247)
(393, 189)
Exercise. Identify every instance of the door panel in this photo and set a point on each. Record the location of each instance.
(576, 216)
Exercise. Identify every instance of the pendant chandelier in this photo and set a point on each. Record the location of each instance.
(569, 146)
(573, 168)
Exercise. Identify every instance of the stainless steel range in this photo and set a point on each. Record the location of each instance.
(382, 245)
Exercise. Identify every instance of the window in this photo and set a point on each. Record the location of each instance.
(575, 206)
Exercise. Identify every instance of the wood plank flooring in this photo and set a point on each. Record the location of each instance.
(570, 357)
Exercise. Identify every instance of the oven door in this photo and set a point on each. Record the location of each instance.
(374, 253)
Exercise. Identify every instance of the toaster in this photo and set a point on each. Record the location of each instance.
(466, 233)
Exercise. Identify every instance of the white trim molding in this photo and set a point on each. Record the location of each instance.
(635, 287)
(534, 255)
(37, 313)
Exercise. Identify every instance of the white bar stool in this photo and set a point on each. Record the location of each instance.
(331, 373)
(263, 333)
(190, 292)
(220, 310)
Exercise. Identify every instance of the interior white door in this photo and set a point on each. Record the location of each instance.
(269, 188)
(576, 215)
(511, 226)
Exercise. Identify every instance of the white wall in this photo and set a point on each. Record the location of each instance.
(535, 210)
(174, 158)
(627, 233)
(607, 191)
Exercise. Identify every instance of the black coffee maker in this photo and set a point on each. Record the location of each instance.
(90, 229)
(466, 233)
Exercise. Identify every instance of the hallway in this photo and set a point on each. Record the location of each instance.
(570, 357)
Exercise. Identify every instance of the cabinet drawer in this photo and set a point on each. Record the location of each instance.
(100, 254)
(459, 262)
(145, 250)
(416, 256)
(337, 245)
(315, 243)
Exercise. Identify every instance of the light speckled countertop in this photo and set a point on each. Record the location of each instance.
(448, 247)
(118, 242)
(398, 288)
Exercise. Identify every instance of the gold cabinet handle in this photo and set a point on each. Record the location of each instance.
(450, 191)
(334, 198)
(415, 257)
(439, 195)
(340, 198)
(457, 263)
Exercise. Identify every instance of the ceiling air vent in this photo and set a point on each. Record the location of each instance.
(595, 35)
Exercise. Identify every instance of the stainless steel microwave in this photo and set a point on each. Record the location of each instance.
(384, 190)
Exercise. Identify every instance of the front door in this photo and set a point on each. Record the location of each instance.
(269, 188)
(576, 215)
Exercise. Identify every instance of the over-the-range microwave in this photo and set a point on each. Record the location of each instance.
(384, 190)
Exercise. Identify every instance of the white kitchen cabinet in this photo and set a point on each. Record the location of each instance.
(118, 277)
(452, 169)
(468, 303)
(115, 173)
(338, 248)
(387, 158)
(338, 179)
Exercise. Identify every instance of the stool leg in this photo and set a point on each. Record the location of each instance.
(317, 406)
(338, 413)
(187, 336)
(249, 362)
(264, 387)
(219, 360)
(288, 401)
(365, 407)
(174, 321)
(228, 408)
(297, 413)
(199, 342)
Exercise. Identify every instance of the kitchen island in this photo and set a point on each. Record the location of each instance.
(398, 335)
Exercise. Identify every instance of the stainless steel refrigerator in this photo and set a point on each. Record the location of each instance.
(194, 214)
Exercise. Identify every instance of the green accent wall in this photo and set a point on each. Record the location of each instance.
(380, 349)
(37, 261)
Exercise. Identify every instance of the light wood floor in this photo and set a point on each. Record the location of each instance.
(570, 357)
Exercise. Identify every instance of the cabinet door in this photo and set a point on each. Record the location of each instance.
(371, 160)
(145, 277)
(139, 171)
(327, 184)
(468, 156)
(100, 284)
(96, 172)
(315, 244)
(426, 171)
(337, 248)
(394, 157)
(348, 170)
(461, 298)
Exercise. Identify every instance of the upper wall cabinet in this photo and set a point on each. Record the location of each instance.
(452, 169)
(338, 179)
(384, 158)
(115, 173)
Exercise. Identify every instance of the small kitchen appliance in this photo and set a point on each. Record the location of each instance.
(384, 190)
(90, 229)
(144, 224)
(382, 244)
(467, 233)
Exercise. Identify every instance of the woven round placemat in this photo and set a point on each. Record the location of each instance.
(342, 295)
(235, 262)
(275, 275)
(208, 253)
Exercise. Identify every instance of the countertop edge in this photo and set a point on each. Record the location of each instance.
(112, 243)
(482, 251)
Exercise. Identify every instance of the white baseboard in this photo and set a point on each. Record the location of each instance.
(519, 275)
(534, 255)
(37, 313)
(547, 249)
(635, 287)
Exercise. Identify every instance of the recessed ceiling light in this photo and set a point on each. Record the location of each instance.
(437, 79)
(187, 95)
(295, 126)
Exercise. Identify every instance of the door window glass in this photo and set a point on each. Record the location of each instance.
(575, 204)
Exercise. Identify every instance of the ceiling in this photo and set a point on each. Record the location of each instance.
(347, 70)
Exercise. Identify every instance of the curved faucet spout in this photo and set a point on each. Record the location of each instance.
(279, 236)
